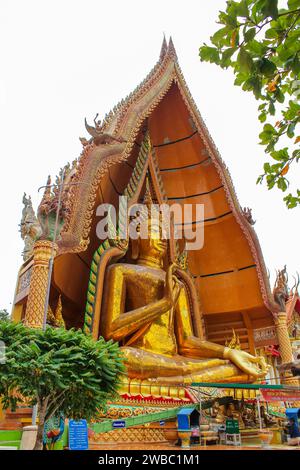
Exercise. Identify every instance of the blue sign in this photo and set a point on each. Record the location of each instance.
(78, 435)
(119, 424)
(162, 423)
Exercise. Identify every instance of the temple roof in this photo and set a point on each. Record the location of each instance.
(229, 270)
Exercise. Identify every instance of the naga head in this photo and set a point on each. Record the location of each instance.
(281, 290)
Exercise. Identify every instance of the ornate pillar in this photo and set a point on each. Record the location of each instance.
(285, 346)
(38, 284)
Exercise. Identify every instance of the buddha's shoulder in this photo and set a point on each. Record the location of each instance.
(134, 268)
(122, 267)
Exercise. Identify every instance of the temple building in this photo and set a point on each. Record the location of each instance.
(154, 145)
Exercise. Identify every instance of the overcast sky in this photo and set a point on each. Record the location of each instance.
(64, 60)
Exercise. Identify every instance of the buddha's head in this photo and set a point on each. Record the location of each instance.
(153, 248)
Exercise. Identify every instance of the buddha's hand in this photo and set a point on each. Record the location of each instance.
(256, 367)
(173, 286)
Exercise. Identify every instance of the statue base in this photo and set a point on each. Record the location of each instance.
(146, 412)
(144, 390)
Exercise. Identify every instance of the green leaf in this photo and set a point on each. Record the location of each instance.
(265, 138)
(295, 65)
(240, 79)
(227, 54)
(242, 9)
(219, 36)
(270, 181)
(280, 155)
(269, 128)
(257, 47)
(254, 83)
(267, 134)
(287, 50)
(230, 20)
(272, 109)
(267, 68)
(282, 184)
(250, 34)
(245, 60)
(270, 8)
(294, 109)
(291, 201)
(293, 4)
(262, 117)
(209, 54)
(279, 96)
(271, 33)
(257, 6)
(276, 167)
(291, 130)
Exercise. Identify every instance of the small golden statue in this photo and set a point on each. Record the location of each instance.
(147, 308)
(218, 413)
(56, 319)
(232, 412)
(267, 419)
(248, 417)
(234, 343)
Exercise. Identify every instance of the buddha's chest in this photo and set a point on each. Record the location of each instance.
(141, 290)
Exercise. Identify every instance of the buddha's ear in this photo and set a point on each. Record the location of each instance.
(135, 249)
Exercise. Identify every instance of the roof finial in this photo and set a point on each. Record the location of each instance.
(171, 49)
(164, 49)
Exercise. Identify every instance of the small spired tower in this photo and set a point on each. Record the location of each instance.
(281, 296)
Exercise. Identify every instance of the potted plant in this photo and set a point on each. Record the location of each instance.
(185, 436)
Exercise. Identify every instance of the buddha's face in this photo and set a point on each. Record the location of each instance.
(154, 246)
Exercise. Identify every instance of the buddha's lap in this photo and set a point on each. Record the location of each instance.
(142, 359)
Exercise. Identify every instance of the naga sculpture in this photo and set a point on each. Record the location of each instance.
(281, 292)
(98, 135)
(29, 227)
(247, 212)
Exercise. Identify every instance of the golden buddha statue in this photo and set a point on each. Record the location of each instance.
(233, 413)
(218, 413)
(147, 309)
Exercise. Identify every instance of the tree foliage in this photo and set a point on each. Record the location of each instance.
(4, 314)
(59, 370)
(260, 41)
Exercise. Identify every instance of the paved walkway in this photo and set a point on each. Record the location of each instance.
(163, 446)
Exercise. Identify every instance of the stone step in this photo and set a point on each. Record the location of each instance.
(19, 413)
(16, 419)
(10, 425)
